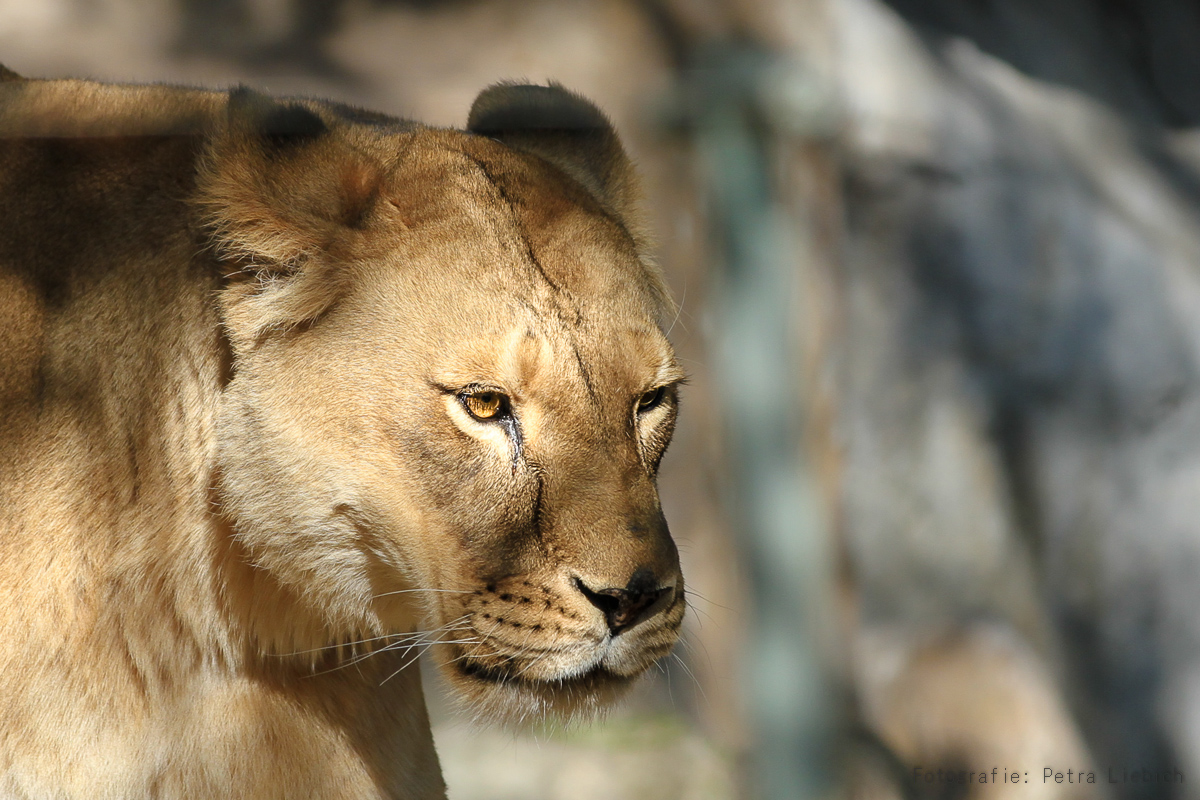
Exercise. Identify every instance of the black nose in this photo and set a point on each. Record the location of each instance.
(624, 608)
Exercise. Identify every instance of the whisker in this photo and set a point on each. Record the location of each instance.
(691, 645)
(405, 647)
(533, 662)
(407, 664)
(415, 637)
(689, 593)
(475, 654)
(698, 610)
(424, 648)
(349, 644)
(684, 665)
(541, 655)
(411, 591)
(679, 310)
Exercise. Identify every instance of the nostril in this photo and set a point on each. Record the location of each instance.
(634, 609)
(607, 600)
(622, 608)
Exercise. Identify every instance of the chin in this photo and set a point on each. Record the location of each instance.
(504, 694)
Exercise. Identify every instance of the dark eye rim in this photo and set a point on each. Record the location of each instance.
(504, 412)
(652, 398)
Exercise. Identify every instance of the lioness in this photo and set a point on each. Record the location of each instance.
(292, 391)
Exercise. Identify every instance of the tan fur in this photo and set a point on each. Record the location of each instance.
(237, 472)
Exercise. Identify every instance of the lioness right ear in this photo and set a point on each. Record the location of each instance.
(287, 200)
(564, 129)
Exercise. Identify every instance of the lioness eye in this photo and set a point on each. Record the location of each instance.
(484, 406)
(651, 399)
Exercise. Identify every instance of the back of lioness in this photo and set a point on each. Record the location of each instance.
(293, 391)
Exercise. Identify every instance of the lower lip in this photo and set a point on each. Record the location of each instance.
(596, 673)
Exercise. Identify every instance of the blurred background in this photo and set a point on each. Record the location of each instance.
(936, 484)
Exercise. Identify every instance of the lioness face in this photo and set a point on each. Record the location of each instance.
(466, 441)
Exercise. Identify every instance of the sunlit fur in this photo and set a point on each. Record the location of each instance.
(240, 491)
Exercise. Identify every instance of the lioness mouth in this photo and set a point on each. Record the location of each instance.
(593, 677)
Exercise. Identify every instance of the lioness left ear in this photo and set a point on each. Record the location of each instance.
(575, 136)
(287, 200)
(564, 129)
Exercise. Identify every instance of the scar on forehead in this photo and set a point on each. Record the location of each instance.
(528, 352)
(522, 356)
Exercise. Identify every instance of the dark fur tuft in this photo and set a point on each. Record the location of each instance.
(280, 123)
(510, 107)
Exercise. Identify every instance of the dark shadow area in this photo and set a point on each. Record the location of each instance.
(295, 43)
(1040, 282)
(1138, 56)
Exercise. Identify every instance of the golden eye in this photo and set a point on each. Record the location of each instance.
(651, 399)
(484, 406)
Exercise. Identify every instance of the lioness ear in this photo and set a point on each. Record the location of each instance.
(7, 74)
(574, 135)
(286, 199)
(566, 130)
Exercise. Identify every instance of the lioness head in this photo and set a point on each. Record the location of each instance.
(449, 392)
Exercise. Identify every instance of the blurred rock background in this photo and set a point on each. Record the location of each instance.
(992, 211)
